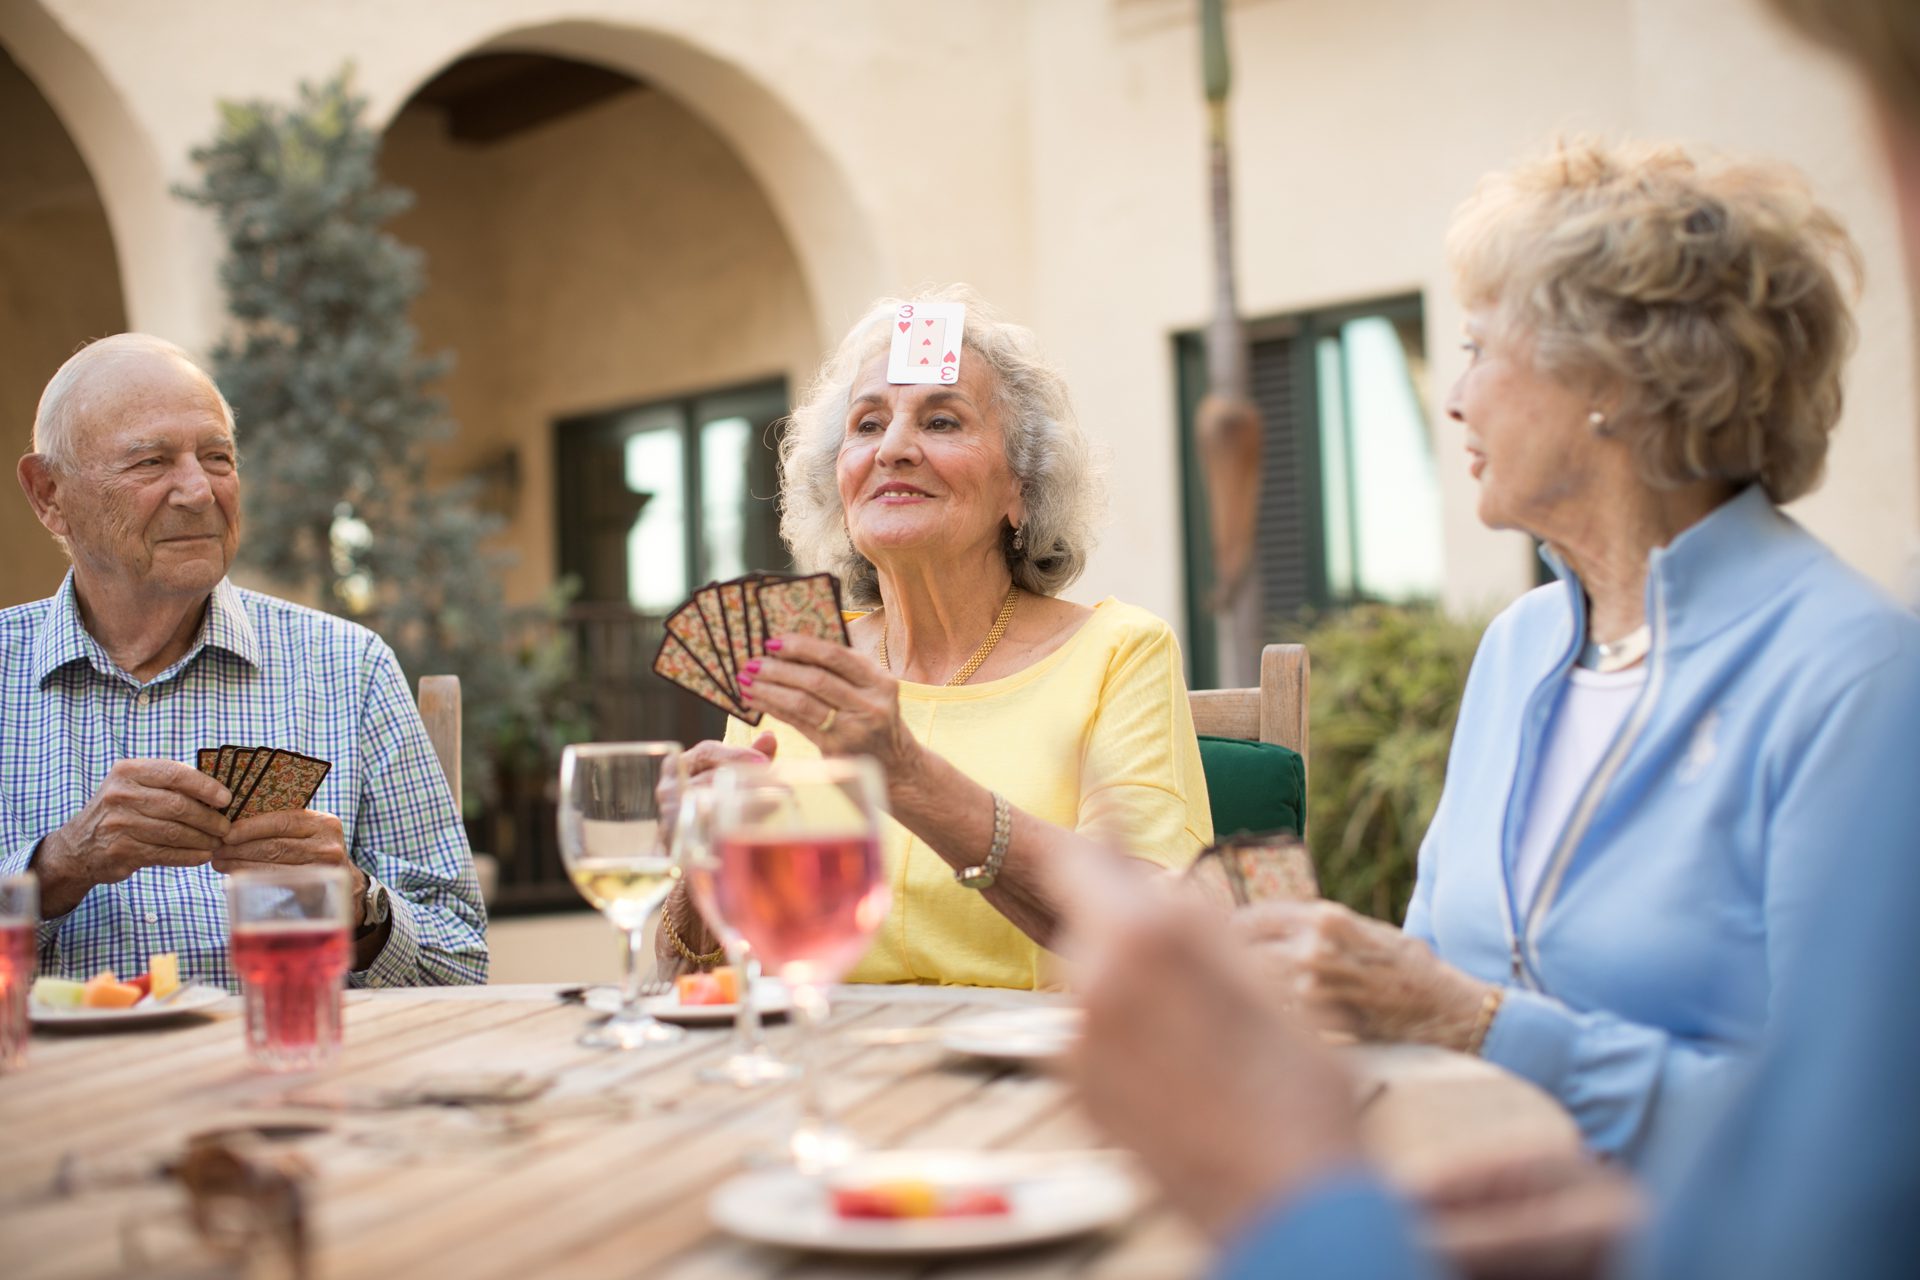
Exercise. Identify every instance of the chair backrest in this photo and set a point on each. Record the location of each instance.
(1274, 712)
(440, 712)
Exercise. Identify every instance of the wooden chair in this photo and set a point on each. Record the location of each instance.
(440, 711)
(1274, 712)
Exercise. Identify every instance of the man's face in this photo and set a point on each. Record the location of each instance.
(150, 498)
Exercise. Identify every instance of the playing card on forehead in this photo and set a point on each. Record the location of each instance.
(926, 342)
(807, 606)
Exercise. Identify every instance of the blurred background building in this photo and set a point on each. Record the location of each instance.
(646, 220)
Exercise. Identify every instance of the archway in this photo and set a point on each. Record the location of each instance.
(59, 287)
(629, 319)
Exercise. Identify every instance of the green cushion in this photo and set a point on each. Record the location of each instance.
(1253, 786)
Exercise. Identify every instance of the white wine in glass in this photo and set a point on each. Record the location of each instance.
(614, 845)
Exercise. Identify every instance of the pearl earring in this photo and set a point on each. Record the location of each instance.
(1598, 421)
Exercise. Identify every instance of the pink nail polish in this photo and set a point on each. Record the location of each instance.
(752, 667)
(773, 646)
(745, 679)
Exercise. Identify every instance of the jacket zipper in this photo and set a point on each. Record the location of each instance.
(1597, 785)
(1510, 917)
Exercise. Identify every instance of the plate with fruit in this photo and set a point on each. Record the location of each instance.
(106, 1000)
(923, 1202)
(709, 999)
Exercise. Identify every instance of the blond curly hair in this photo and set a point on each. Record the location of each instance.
(1702, 301)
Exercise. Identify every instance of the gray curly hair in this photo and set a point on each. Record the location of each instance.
(1061, 480)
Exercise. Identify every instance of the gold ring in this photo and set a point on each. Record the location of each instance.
(833, 713)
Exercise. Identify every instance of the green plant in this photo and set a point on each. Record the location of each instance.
(1386, 691)
(337, 415)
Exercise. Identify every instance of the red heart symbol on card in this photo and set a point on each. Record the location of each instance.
(928, 323)
(926, 342)
(924, 360)
(949, 359)
(904, 326)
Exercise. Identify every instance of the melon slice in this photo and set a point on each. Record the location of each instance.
(104, 991)
(58, 993)
(165, 969)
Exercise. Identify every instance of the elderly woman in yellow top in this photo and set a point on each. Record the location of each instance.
(1010, 723)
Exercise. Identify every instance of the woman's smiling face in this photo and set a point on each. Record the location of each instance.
(923, 467)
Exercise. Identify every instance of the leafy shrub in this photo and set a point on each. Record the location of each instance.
(1386, 691)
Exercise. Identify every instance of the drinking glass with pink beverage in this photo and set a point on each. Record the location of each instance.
(19, 914)
(291, 948)
(801, 878)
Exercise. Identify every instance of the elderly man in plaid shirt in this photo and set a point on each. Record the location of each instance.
(148, 653)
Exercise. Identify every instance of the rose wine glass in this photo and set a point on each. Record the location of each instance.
(801, 879)
(19, 950)
(290, 931)
(613, 796)
(751, 1063)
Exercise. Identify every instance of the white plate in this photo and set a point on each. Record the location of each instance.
(1052, 1197)
(1015, 1035)
(770, 994)
(189, 999)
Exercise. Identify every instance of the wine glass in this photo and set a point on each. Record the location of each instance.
(612, 798)
(801, 879)
(751, 1063)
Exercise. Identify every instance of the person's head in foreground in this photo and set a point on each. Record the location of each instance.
(1008, 720)
(1663, 765)
(148, 660)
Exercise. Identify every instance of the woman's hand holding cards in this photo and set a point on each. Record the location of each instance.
(842, 701)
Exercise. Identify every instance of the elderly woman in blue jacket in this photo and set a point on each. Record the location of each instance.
(1660, 757)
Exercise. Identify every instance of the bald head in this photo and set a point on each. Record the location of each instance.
(104, 381)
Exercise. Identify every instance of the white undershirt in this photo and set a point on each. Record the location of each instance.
(1592, 710)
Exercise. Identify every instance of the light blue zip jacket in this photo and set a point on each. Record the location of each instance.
(1776, 718)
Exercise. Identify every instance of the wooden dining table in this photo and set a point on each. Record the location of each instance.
(463, 1132)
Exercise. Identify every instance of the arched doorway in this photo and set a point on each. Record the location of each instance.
(59, 287)
(628, 320)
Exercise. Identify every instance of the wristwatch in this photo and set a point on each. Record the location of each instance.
(982, 877)
(373, 910)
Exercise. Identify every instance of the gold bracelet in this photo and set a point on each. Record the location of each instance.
(687, 953)
(1483, 1021)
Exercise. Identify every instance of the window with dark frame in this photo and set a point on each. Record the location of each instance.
(1349, 493)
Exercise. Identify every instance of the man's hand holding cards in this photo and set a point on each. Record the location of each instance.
(271, 822)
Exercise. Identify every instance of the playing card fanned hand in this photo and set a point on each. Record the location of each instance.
(725, 625)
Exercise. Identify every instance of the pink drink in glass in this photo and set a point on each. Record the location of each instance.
(806, 904)
(291, 973)
(18, 953)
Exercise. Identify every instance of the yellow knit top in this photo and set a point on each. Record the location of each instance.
(1096, 736)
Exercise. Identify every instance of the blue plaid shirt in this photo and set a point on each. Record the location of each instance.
(262, 672)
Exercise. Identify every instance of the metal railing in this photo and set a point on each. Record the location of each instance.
(613, 685)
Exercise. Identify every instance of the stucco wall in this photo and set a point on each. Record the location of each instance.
(59, 286)
(620, 255)
(1066, 178)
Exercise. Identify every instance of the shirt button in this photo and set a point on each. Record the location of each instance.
(153, 917)
(142, 699)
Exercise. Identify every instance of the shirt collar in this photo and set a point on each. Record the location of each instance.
(64, 639)
(1718, 569)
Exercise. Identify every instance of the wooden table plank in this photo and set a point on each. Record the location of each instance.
(609, 1172)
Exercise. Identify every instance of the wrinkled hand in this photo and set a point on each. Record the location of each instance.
(703, 758)
(1230, 1103)
(1556, 1216)
(147, 813)
(291, 837)
(1361, 975)
(802, 679)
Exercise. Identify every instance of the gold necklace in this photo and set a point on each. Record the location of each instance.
(971, 665)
